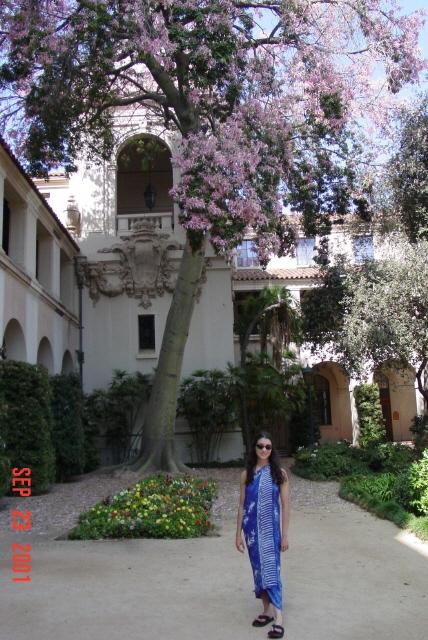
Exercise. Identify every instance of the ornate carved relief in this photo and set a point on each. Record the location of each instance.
(143, 270)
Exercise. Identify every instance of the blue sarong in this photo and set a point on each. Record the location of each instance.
(262, 531)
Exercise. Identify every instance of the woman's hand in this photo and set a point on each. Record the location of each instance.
(284, 543)
(239, 543)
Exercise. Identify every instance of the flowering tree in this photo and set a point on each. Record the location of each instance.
(262, 93)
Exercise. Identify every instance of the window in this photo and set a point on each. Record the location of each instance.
(305, 251)
(363, 249)
(322, 408)
(247, 255)
(146, 333)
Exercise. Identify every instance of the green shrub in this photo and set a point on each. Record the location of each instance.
(158, 506)
(328, 461)
(379, 485)
(372, 424)
(4, 460)
(27, 426)
(411, 487)
(268, 396)
(387, 457)
(91, 430)
(4, 470)
(419, 428)
(67, 435)
(207, 401)
(113, 413)
(376, 493)
(418, 480)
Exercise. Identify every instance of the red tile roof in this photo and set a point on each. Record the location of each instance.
(297, 273)
(16, 162)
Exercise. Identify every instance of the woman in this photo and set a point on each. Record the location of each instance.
(263, 485)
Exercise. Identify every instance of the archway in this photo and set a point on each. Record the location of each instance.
(144, 179)
(332, 403)
(14, 341)
(45, 355)
(67, 363)
(401, 391)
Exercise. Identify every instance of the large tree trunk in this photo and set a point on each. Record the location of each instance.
(421, 383)
(158, 433)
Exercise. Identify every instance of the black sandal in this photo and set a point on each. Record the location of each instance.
(262, 620)
(276, 632)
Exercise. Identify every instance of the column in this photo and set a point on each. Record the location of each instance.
(55, 268)
(29, 241)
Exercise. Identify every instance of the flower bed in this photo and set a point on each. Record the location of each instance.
(159, 506)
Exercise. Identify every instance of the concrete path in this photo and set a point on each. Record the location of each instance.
(347, 576)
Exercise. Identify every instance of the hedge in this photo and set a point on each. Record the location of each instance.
(68, 435)
(372, 424)
(26, 427)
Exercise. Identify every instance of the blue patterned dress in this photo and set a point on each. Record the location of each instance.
(262, 531)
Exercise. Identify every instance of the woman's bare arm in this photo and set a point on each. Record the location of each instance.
(239, 540)
(285, 511)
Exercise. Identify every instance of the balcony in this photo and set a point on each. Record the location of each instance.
(127, 218)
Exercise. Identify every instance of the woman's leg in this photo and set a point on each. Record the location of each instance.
(268, 608)
(278, 616)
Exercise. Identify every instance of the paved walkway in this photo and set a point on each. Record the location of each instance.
(347, 576)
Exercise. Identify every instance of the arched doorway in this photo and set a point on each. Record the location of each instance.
(67, 363)
(14, 342)
(398, 399)
(45, 355)
(331, 403)
(144, 179)
(382, 382)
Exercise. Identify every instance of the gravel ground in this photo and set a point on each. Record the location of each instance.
(54, 513)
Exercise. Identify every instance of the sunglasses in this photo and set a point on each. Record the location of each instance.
(268, 447)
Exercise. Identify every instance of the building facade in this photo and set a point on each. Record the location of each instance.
(114, 243)
(38, 296)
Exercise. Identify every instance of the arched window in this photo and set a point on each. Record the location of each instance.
(144, 179)
(322, 404)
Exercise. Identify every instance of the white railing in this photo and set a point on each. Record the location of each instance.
(125, 221)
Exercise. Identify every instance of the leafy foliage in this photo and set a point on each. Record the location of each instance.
(378, 493)
(328, 461)
(268, 395)
(386, 313)
(372, 424)
(412, 486)
(271, 311)
(114, 412)
(419, 428)
(408, 172)
(387, 457)
(67, 434)
(27, 426)
(208, 402)
(322, 308)
(156, 507)
(4, 470)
